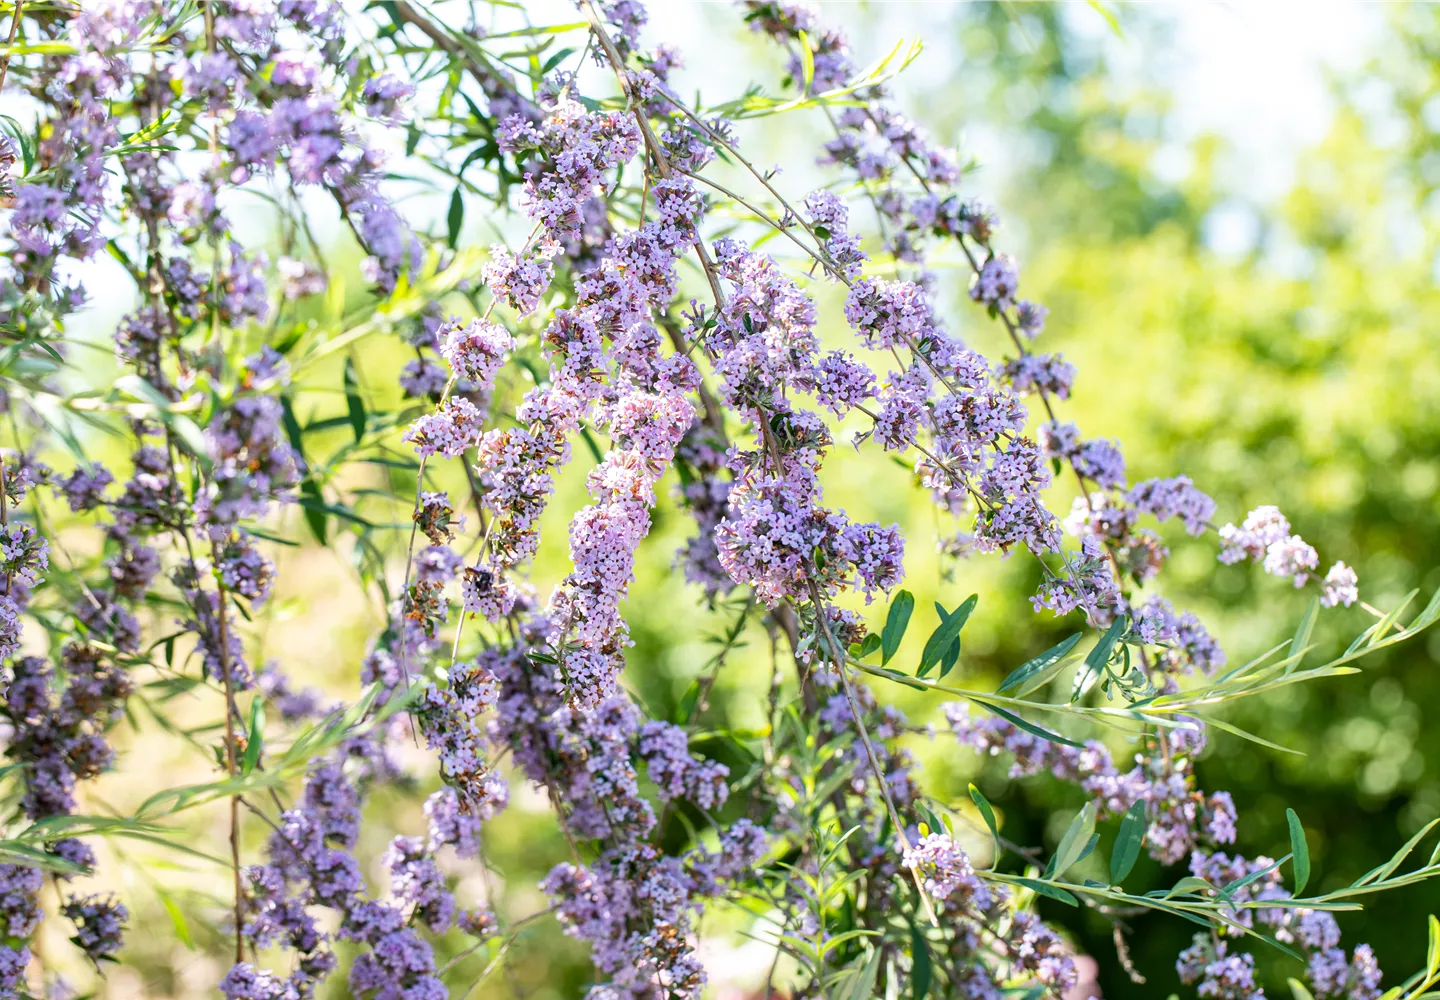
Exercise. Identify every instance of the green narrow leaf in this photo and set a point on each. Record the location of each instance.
(188, 432)
(1432, 962)
(1382, 628)
(868, 645)
(807, 63)
(454, 218)
(1039, 668)
(1245, 734)
(1188, 884)
(951, 657)
(1108, 15)
(1300, 864)
(1096, 659)
(1298, 990)
(1027, 725)
(1072, 845)
(934, 822)
(177, 917)
(896, 621)
(315, 510)
(920, 968)
(1235, 885)
(1046, 889)
(292, 427)
(592, 444)
(949, 630)
(1382, 872)
(983, 804)
(353, 403)
(1302, 635)
(686, 708)
(1128, 842)
(555, 60)
(865, 982)
(256, 740)
(1426, 617)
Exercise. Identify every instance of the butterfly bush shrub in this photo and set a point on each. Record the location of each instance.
(655, 318)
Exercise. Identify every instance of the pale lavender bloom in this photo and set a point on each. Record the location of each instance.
(886, 313)
(85, 488)
(997, 282)
(902, 406)
(1038, 949)
(1262, 527)
(449, 431)
(1101, 461)
(1333, 978)
(475, 351)
(1059, 440)
(1231, 978)
(1175, 497)
(451, 825)
(99, 924)
(1048, 374)
(245, 982)
(1030, 319)
(1341, 586)
(1292, 557)
(519, 281)
(842, 382)
(382, 97)
(296, 72)
(300, 278)
(944, 867)
(244, 570)
(423, 378)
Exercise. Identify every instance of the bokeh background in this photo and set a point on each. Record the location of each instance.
(1230, 211)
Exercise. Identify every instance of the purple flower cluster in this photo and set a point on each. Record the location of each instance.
(60, 735)
(20, 915)
(519, 281)
(475, 351)
(631, 903)
(1264, 536)
(829, 220)
(451, 720)
(704, 490)
(776, 535)
(311, 864)
(568, 155)
(1180, 816)
(946, 870)
(99, 924)
(1221, 976)
(57, 737)
(666, 751)
(450, 431)
(252, 465)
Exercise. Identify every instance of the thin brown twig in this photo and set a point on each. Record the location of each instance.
(1122, 952)
(222, 626)
(10, 42)
(225, 671)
